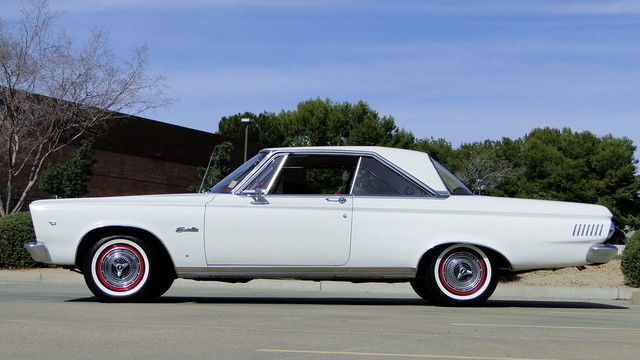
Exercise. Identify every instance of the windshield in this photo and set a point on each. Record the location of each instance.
(453, 184)
(227, 184)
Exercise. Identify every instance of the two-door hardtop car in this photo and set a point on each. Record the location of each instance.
(320, 213)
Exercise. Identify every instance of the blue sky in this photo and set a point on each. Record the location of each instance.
(461, 70)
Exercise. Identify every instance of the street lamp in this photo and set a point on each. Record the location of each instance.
(246, 121)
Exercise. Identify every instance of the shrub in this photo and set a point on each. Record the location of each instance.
(15, 230)
(631, 261)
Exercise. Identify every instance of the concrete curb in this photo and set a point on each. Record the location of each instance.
(61, 276)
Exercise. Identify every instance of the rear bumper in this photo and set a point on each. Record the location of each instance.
(38, 252)
(601, 253)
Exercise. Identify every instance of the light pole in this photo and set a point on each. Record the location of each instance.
(246, 121)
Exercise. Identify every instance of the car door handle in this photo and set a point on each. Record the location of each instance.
(340, 200)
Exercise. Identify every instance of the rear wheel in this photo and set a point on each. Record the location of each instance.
(124, 268)
(460, 275)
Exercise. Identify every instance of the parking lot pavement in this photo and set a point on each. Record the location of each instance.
(63, 321)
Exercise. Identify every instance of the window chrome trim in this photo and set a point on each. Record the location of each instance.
(348, 196)
(276, 173)
(435, 194)
(240, 187)
(355, 176)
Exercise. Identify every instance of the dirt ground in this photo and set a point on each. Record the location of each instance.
(607, 275)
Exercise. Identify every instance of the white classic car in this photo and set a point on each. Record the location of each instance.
(320, 213)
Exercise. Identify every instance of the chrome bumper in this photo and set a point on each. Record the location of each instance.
(38, 252)
(601, 253)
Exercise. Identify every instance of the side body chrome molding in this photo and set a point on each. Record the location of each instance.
(300, 273)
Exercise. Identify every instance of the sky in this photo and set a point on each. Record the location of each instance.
(460, 70)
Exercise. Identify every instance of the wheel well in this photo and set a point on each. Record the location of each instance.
(500, 260)
(95, 235)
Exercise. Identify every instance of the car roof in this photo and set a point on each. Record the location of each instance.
(416, 163)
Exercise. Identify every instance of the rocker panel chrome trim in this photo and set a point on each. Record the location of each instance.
(309, 273)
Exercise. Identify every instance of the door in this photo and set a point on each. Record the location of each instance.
(303, 217)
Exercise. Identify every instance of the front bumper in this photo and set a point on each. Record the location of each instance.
(601, 253)
(38, 252)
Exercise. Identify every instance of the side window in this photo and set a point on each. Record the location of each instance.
(375, 178)
(263, 179)
(315, 174)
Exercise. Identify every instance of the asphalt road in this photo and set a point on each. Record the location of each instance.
(48, 321)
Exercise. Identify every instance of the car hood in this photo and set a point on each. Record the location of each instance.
(165, 199)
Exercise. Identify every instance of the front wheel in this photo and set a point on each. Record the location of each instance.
(123, 268)
(420, 288)
(460, 275)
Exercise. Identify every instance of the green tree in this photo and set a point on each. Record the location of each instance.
(71, 178)
(565, 165)
(318, 122)
(439, 149)
(268, 128)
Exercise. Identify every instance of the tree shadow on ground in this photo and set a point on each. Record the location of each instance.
(553, 304)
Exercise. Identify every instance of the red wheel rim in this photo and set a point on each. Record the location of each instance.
(120, 267)
(462, 271)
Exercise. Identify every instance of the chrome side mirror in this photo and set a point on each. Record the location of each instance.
(258, 197)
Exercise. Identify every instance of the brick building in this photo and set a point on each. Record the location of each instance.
(142, 156)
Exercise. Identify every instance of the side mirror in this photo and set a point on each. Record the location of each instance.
(258, 197)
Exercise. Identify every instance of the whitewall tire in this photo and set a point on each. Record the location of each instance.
(459, 275)
(123, 268)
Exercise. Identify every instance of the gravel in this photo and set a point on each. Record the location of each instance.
(602, 276)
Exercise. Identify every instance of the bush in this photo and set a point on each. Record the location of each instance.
(15, 230)
(631, 261)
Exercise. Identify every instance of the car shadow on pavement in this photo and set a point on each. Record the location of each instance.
(273, 300)
(558, 304)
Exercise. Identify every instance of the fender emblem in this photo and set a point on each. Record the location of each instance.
(182, 229)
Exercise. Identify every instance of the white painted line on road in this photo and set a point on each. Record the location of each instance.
(548, 327)
(422, 356)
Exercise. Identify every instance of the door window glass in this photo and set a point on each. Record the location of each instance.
(315, 174)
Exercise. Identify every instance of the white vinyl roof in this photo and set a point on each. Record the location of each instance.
(416, 163)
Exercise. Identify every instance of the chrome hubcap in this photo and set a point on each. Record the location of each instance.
(120, 267)
(462, 272)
